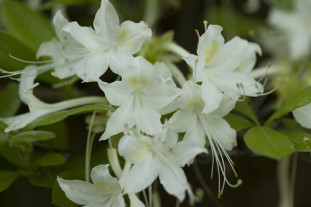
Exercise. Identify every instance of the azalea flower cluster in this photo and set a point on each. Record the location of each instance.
(163, 126)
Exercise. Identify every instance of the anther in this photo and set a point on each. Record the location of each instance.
(205, 24)
(220, 193)
(197, 32)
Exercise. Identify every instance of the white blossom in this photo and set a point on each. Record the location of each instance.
(224, 67)
(199, 126)
(38, 108)
(88, 52)
(295, 27)
(104, 192)
(158, 156)
(144, 91)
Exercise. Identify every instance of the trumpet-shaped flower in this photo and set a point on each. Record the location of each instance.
(38, 108)
(295, 28)
(224, 67)
(105, 190)
(161, 155)
(198, 125)
(89, 52)
(145, 91)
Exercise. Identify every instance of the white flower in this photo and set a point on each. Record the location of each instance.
(303, 116)
(224, 67)
(104, 192)
(145, 91)
(38, 108)
(160, 155)
(89, 52)
(295, 27)
(198, 125)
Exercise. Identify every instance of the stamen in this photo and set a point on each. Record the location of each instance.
(205, 24)
(197, 32)
(219, 152)
(30, 62)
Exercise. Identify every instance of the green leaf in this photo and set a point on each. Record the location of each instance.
(14, 156)
(3, 138)
(301, 140)
(7, 178)
(244, 108)
(291, 124)
(268, 142)
(42, 177)
(49, 159)
(27, 25)
(57, 3)
(61, 115)
(2, 126)
(296, 100)
(10, 101)
(31, 136)
(10, 45)
(61, 135)
(238, 122)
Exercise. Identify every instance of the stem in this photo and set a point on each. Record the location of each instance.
(286, 178)
(177, 49)
(114, 161)
(88, 151)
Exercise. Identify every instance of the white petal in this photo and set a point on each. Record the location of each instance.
(173, 179)
(84, 35)
(135, 148)
(196, 134)
(192, 60)
(182, 121)
(59, 22)
(119, 60)
(211, 38)
(103, 180)
(226, 105)
(235, 84)
(186, 151)
(51, 49)
(132, 35)
(249, 59)
(116, 93)
(159, 95)
(81, 192)
(135, 202)
(142, 175)
(211, 96)
(106, 20)
(148, 119)
(303, 116)
(221, 131)
(230, 55)
(92, 67)
(121, 120)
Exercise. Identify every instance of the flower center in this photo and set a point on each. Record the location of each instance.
(138, 83)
